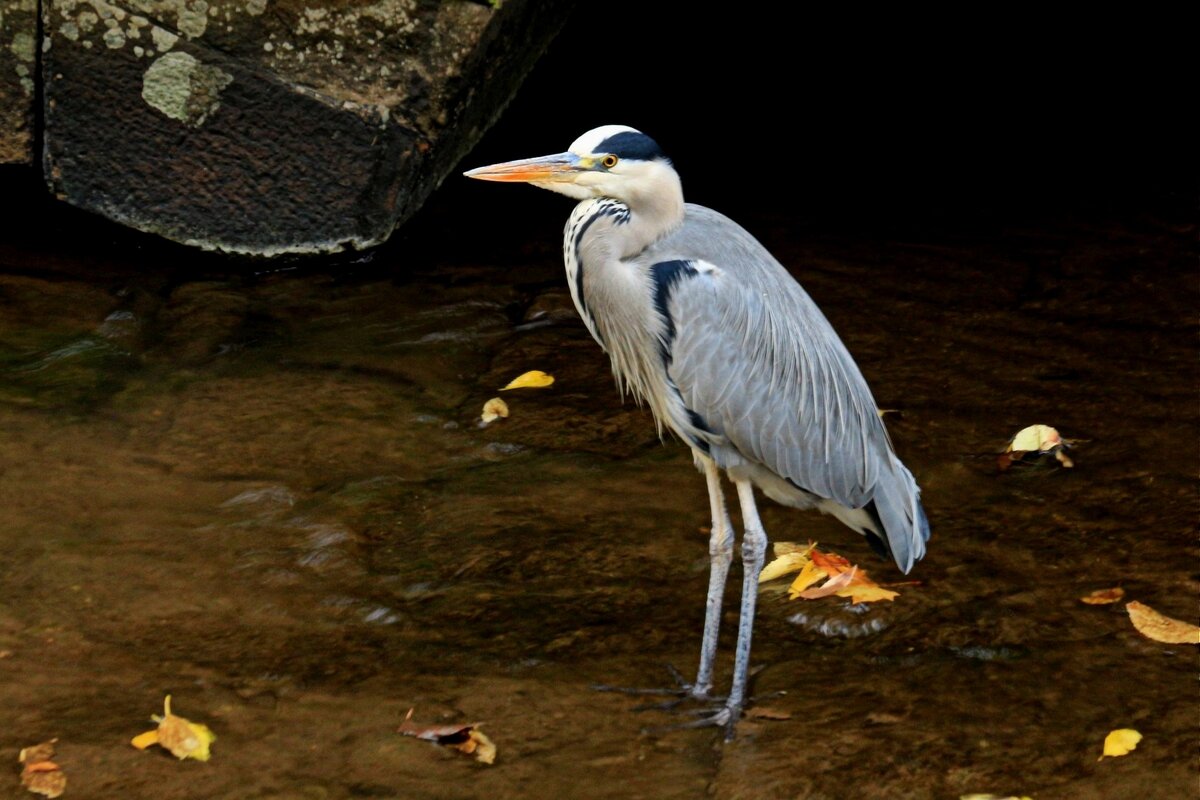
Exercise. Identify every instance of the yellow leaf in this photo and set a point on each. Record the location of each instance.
(185, 739)
(867, 593)
(494, 409)
(783, 565)
(485, 750)
(1102, 597)
(807, 577)
(1035, 439)
(534, 379)
(1159, 627)
(783, 548)
(1120, 742)
(144, 740)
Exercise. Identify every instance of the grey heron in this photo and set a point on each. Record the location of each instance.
(730, 353)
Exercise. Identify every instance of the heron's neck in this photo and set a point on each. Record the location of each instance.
(652, 215)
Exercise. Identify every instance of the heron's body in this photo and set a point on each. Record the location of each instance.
(731, 354)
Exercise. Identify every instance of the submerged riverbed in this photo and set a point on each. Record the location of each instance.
(265, 491)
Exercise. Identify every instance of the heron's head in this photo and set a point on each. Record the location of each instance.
(611, 161)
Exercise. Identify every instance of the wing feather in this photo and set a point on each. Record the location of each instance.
(771, 375)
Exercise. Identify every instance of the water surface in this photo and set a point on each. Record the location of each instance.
(266, 492)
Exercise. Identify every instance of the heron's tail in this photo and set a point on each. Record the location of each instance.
(896, 510)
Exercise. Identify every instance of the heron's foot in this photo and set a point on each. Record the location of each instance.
(682, 692)
(724, 716)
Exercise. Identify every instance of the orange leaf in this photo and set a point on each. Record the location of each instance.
(831, 563)
(465, 738)
(858, 586)
(1102, 597)
(41, 766)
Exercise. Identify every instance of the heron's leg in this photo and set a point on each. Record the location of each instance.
(754, 548)
(720, 552)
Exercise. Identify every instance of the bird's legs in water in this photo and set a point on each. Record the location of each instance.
(720, 552)
(754, 548)
(720, 548)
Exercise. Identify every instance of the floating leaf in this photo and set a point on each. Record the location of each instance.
(483, 747)
(1035, 439)
(993, 797)
(814, 566)
(38, 752)
(807, 577)
(493, 410)
(785, 564)
(39, 774)
(1120, 742)
(831, 586)
(1159, 627)
(870, 592)
(465, 738)
(144, 740)
(860, 588)
(534, 379)
(762, 712)
(1103, 597)
(185, 739)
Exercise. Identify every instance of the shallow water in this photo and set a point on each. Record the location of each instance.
(267, 494)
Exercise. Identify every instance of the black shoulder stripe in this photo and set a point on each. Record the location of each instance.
(666, 276)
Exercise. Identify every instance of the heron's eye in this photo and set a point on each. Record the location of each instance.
(609, 161)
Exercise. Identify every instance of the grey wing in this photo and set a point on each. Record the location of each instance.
(757, 361)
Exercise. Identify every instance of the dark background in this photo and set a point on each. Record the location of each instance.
(868, 117)
(855, 121)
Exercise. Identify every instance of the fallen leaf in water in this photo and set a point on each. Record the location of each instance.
(993, 797)
(1036, 439)
(1103, 597)
(785, 564)
(534, 379)
(1120, 742)
(831, 563)
(183, 738)
(493, 410)
(831, 586)
(860, 588)
(868, 592)
(39, 774)
(809, 575)
(37, 753)
(783, 548)
(465, 738)
(760, 712)
(1161, 628)
(845, 579)
(483, 747)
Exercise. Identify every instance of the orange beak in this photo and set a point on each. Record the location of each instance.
(560, 167)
